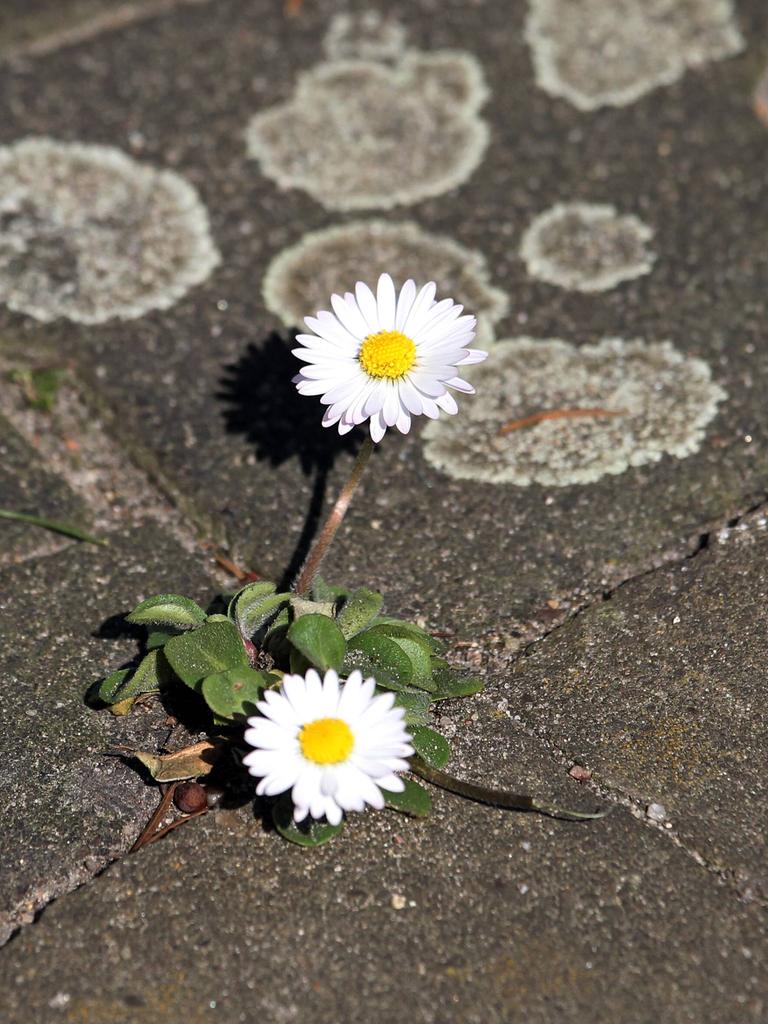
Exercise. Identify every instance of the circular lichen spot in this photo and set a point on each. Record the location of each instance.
(595, 54)
(361, 135)
(89, 234)
(364, 35)
(547, 412)
(300, 279)
(587, 247)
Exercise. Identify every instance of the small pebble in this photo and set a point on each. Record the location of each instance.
(398, 901)
(580, 773)
(190, 797)
(656, 812)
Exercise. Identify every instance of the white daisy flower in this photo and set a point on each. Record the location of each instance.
(335, 747)
(386, 357)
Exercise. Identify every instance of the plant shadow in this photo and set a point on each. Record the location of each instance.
(262, 405)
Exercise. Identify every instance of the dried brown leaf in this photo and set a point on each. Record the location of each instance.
(187, 763)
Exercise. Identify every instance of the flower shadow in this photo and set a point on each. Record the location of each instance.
(261, 404)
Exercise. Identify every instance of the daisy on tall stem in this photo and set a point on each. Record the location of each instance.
(384, 358)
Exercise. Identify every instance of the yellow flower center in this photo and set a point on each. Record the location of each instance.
(326, 741)
(387, 354)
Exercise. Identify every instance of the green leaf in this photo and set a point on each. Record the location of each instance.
(450, 684)
(159, 637)
(322, 591)
(360, 610)
(149, 676)
(356, 660)
(212, 648)
(234, 693)
(421, 662)
(400, 628)
(308, 832)
(414, 800)
(416, 704)
(255, 605)
(53, 525)
(433, 748)
(168, 610)
(320, 640)
(108, 689)
(300, 606)
(251, 592)
(382, 658)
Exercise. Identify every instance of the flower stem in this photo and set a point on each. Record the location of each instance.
(499, 797)
(307, 575)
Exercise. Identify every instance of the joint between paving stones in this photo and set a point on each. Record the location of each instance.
(617, 797)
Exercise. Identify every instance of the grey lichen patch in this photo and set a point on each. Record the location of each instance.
(596, 54)
(300, 279)
(364, 35)
(587, 247)
(547, 412)
(361, 135)
(89, 234)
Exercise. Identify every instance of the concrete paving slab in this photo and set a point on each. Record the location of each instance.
(68, 809)
(206, 381)
(27, 486)
(475, 915)
(660, 692)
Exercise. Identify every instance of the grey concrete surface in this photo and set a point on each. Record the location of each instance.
(474, 915)
(67, 808)
(660, 691)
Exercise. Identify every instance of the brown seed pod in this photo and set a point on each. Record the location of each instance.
(190, 797)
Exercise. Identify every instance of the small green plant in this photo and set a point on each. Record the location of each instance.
(322, 696)
(40, 385)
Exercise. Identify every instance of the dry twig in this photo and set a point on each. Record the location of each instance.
(556, 414)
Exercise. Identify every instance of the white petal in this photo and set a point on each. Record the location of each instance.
(410, 397)
(332, 812)
(377, 427)
(404, 303)
(330, 693)
(306, 789)
(262, 762)
(460, 385)
(427, 384)
(366, 300)
(422, 303)
(447, 403)
(329, 782)
(299, 813)
(267, 735)
(403, 422)
(352, 319)
(330, 330)
(376, 398)
(432, 324)
(391, 783)
(474, 355)
(386, 302)
(332, 415)
(312, 387)
(391, 408)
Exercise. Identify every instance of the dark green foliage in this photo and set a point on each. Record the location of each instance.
(279, 632)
